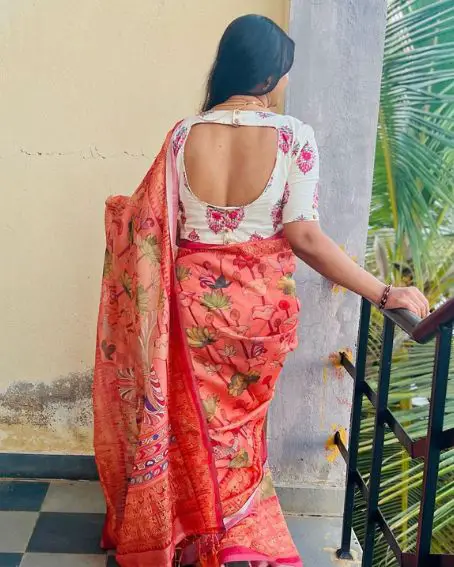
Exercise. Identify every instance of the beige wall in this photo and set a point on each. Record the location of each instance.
(88, 89)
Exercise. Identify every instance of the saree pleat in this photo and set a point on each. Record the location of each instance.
(190, 344)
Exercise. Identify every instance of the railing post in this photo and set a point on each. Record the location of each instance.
(355, 426)
(441, 325)
(434, 439)
(379, 438)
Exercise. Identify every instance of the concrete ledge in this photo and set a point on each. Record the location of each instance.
(318, 539)
(311, 501)
(31, 465)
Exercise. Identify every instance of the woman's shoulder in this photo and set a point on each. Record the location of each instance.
(299, 128)
(179, 134)
(183, 123)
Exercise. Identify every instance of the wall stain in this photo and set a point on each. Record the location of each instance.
(332, 450)
(39, 439)
(344, 402)
(335, 358)
(55, 416)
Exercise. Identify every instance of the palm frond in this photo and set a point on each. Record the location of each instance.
(414, 178)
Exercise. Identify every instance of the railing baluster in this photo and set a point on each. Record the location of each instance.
(355, 426)
(434, 443)
(439, 324)
(379, 438)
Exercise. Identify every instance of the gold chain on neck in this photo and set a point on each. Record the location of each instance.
(231, 106)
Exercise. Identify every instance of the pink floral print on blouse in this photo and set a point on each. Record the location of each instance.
(179, 138)
(285, 139)
(306, 158)
(278, 209)
(193, 236)
(224, 219)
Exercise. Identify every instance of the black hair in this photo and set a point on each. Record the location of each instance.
(253, 55)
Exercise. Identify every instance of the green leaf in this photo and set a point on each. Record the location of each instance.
(142, 299)
(151, 250)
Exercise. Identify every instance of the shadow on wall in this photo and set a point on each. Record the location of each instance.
(51, 417)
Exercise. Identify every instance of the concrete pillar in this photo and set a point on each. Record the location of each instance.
(335, 87)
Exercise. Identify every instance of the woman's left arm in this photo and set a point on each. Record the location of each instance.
(315, 248)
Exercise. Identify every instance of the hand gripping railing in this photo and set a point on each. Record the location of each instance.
(438, 326)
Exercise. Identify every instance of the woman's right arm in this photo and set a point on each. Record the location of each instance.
(315, 248)
(309, 243)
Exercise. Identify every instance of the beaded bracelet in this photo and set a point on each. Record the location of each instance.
(384, 298)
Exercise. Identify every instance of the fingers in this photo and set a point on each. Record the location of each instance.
(414, 307)
(421, 302)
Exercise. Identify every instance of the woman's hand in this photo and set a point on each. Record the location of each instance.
(408, 298)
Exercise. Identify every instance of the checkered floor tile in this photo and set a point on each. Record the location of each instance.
(59, 523)
(51, 524)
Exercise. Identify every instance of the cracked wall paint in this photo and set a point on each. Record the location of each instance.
(335, 358)
(82, 116)
(90, 153)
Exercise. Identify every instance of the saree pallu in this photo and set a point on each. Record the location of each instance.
(190, 344)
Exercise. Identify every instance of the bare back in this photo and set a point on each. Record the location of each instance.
(227, 165)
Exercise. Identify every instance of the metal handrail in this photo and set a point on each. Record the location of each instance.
(428, 327)
(422, 330)
(439, 325)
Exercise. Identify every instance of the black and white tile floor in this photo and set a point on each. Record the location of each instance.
(59, 523)
(51, 524)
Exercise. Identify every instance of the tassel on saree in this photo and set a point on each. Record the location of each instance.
(208, 551)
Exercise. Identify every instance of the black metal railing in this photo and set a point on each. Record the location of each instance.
(438, 326)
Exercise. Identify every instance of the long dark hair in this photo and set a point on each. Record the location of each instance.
(253, 55)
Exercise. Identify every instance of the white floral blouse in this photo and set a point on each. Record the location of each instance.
(290, 195)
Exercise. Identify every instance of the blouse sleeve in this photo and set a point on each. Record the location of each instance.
(302, 202)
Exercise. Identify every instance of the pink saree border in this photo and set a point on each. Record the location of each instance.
(172, 189)
(237, 553)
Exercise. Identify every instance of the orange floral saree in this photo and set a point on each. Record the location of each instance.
(191, 341)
